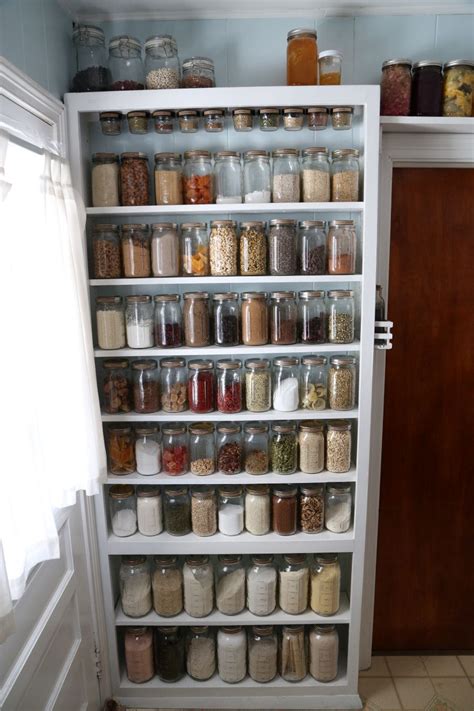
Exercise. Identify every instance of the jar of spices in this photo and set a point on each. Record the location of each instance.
(342, 246)
(341, 316)
(231, 654)
(312, 248)
(92, 72)
(162, 63)
(198, 578)
(198, 73)
(258, 385)
(257, 177)
(427, 88)
(253, 249)
(168, 321)
(110, 322)
(315, 174)
(323, 652)
(214, 120)
(165, 256)
(395, 89)
(313, 394)
(293, 657)
(256, 453)
(202, 449)
(126, 65)
(188, 121)
(195, 249)
(135, 586)
(169, 654)
(168, 179)
(283, 318)
(138, 645)
(110, 123)
(282, 247)
(223, 248)
(284, 451)
(146, 388)
(284, 510)
(311, 446)
(230, 584)
(134, 179)
(263, 654)
(286, 383)
(286, 175)
(201, 653)
(204, 511)
(231, 510)
(325, 584)
(106, 252)
(338, 508)
(311, 508)
(257, 509)
(176, 509)
(136, 251)
(149, 510)
(226, 319)
(330, 67)
(201, 386)
(148, 452)
(229, 448)
(116, 386)
(269, 119)
(254, 315)
(175, 449)
(163, 121)
(293, 119)
(338, 446)
(196, 319)
(341, 117)
(345, 175)
(123, 510)
(229, 386)
(458, 89)
(105, 180)
(137, 122)
(139, 321)
(302, 57)
(120, 449)
(167, 584)
(312, 317)
(174, 385)
(342, 382)
(261, 586)
(242, 119)
(197, 178)
(317, 118)
(228, 177)
(294, 584)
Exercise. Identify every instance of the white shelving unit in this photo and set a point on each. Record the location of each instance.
(85, 138)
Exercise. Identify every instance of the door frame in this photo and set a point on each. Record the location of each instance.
(407, 150)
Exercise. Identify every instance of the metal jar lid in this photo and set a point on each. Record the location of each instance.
(345, 153)
(146, 430)
(201, 364)
(427, 63)
(108, 299)
(187, 112)
(230, 491)
(175, 429)
(307, 224)
(115, 363)
(139, 299)
(164, 226)
(125, 42)
(301, 32)
(257, 363)
(175, 362)
(249, 224)
(339, 425)
(311, 426)
(203, 62)
(330, 53)
(223, 223)
(393, 62)
(255, 154)
(285, 491)
(133, 559)
(258, 489)
(190, 155)
(137, 114)
(201, 428)
(279, 152)
(326, 558)
(342, 110)
(213, 112)
(110, 115)
(341, 223)
(86, 32)
(158, 298)
(318, 110)
(338, 488)
(105, 157)
(166, 41)
(269, 111)
(283, 221)
(459, 63)
(168, 156)
(314, 360)
(312, 490)
(103, 227)
(195, 295)
(340, 294)
(121, 491)
(134, 155)
(282, 295)
(197, 560)
(242, 112)
(164, 114)
(228, 364)
(193, 226)
(226, 154)
(342, 360)
(316, 150)
(305, 295)
(148, 491)
(293, 110)
(284, 427)
(256, 427)
(253, 295)
(144, 365)
(297, 558)
(228, 428)
(132, 227)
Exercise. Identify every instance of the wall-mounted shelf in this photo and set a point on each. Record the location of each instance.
(237, 351)
(242, 209)
(243, 416)
(426, 124)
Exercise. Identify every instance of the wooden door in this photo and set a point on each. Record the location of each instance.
(424, 596)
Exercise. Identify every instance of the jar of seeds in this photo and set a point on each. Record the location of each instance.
(256, 452)
(316, 175)
(204, 511)
(202, 448)
(137, 122)
(110, 123)
(345, 175)
(342, 382)
(338, 446)
(341, 117)
(253, 249)
(214, 120)
(188, 121)
(312, 247)
(313, 391)
(283, 318)
(311, 508)
(340, 316)
(243, 119)
(175, 449)
(223, 243)
(284, 448)
(311, 446)
(282, 247)
(258, 385)
(177, 511)
(286, 175)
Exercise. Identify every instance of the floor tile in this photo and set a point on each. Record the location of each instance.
(415, 694)
(406, 666)
(443, 665)
(457, 691)
(467, 662)
(379, 693)
(377, 668)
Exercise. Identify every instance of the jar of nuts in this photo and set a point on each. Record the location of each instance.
(311, 508)
(116, 386)
(134, 179)
(174, 380)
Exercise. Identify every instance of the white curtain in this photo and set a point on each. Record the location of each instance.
(53, 444)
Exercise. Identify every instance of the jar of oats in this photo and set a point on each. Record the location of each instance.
(223, 244)
(345, 175)
(316, 175)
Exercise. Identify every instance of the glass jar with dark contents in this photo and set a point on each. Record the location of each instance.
(226, 319)
(395, 91)
(282, 247)
(229, 386)
(312, 317)
(198, 73)
(196, 319)
(146, 389)
(201, 386)
(284, 510)
(169, 654)
(116, 386)
(427, 88)
(92, 72)
(283, 318)
(134, 179)
(312, 247)
(168, 321)
(229, 448)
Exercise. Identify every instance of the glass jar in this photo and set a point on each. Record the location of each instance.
(458, 87)
(175, 450)
(284, 451)
(261, 586)
(311, 446)
(174, 385)
(284, 510)
(338, 446)
(168, 179)
(263, 654)
(313, 393)
(106, 252)
(195, 246)
(330, 67)
(342, 382)
(201, 386)
(202, 450)
(123, 510)
(256, 453)
(258, 385)
(165, 256)
(110, 123)
(223, 248)
(283, 318)
(120, 449)
(197, 178)
(312, 248)
(163, 121)
(323, 652)
(116, 386)
(230, 584)
(345, 175)
(257, 177)
(228, 177)
(254, 315)
(201, 653)
(105, 180)
(176, 508)
(293, 584)
(214, 120)
(135, 586)
(92, 72)
(341, 117)
(149, 510)
(311, 507)
(427, 88)
(395, 89)
(315, 174)
(253, 249)
(110, 322)
(229, 386)
(136, 251)
(282, 247)
(188, 121)
(196, 319)
(338, 508)
(167, 584)
(137, 122)
(226, 319)
(139, 321)
(138, 646)
(312, 317)
(342, 246)
(302, 57)
(317, 118)
(146, 389)
(293, 119)
(293, 657)
(204, 504)
(325, 584)
(198, 578)
(340, 316)
(269, 119)
(231, 510)
(148, 452)
(162, 63)
(242, 119)
(229, 448)
(257, 509)
(169, 654)
(134, 179)
(168, 321)
(126, 65)
(231, 654)
(286, 175)
(286, 383)
(198, 73)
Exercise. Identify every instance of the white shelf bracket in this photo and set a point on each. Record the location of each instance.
(383, 335)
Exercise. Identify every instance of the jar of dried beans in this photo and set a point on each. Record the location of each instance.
(395, 90)
(257, 177)
(126, 65)
(123, 510)
(283, 318)
(229, 386)
(340, 316)
(148, 456)
(202, 449)
(345, 175)
(195, 249)
(263, 654)
(284, 448)
(228, 177)
(229, 448)
(338, 508)
(312, 508)
(231, 510)
(312, 247)
(116, 386)
(110, 322)
(139, 321)
(163, 121)
(285, 384)
(257, 509)
(168, 321)
(204, 511)
(286, 175)
(135, 586)
(167, 584)
(168, 179)
(338, 446)
(174, 385)
(254, 315)
(223, 248)
(284, 510)
(302, 57)
(313, 394)
(92, 73)
(294, 584)
(282, 247)
(177, 510)
(325, 584)
(198, 73)
(256, 451)
(106, 252)
(120, 450)
(317, 118)
(197, 178)
(253, 249)
(342, 245)
(105, 180)
(316, 183)
(136, 251)
(226, 319)
(134, 179)
(162, 63)
(165, 253)
(196, 319)
(175, 451)
(146, 389)
(311, 446)
(342, 382)
(258, 385)
(201, 386)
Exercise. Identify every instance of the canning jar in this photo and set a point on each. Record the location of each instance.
(458, 87)
(136, 251)
(263, 654)
(341, 117)
(168, 321)
(168, 179)
(311, 508)
(256, 451)
(228, 177)
(340, 316)
(427, 88)
(330, 67)
(253, 249)
(342, 382)
(293, 584)
(286, 384)
(258, 385)
(254, 315)
(197, 178)
(226, 319)
(146, 389)
(342, 246)
(138, 647)
(223, 248)
(395, 88)
(311, 446)
(139, 321)
(312, 247)
(135, 586)
(202, 448)
(229, 448)
(174, 385)
(231, 510)
(257, 508)
(229, 386)
(325, 584)
(316, 184)
(175, 449)
(338, 507)
(169, 654)
(317, 118)
(188, 121)
(302, 57)
(198, 73)
(257, 177)
(106, 252)
(163, 121)
(201, 653)
(231, 654)
(293, 119)
(149, 510)
(242, 119)
(269, 119)
(161, 63)
(284, 449)
(284, 510)
(282, 247)
(105, 180)
(214, 120)
(345, 175)
(230, 584)
(195, 249)
(261, 585)
(110, 322)
(293, 656)
(134, 179)
(123, 510)
(177, 510)
(313, 394)
(198, 580)
(126, 65)
(286, 175)
(167, 584)
(196, 319)
(204, 511)
(201, 386)
(120, 449)
(110, 123)
(148, 452)
(283, 316)
(92, 72)
(137, 122)
(338, 446)
(116, 386)
(323, 652)
(165, 256)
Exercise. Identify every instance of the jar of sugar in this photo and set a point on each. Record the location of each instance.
(123, 509)
(149, 510)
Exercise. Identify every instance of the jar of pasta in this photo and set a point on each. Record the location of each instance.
(311, 508)
(223, 248)
(197, 178)
(313, 383)
(458, 87)
(195, 248)
(311, 446)
(168, 179)
(106, 252)
(302, 57)
(293, 657)
(146, 389)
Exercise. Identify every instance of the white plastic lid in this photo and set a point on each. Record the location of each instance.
(330, 53)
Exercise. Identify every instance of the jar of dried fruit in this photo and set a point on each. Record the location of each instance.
(168, 321)
(134, 179)
(116, 386)
(174, 382)
(106, 252)
(253, 249)
(198, 73)
(395, 87)
(162, 63)
(313, 394)
(202, 448)
(168, 179)
(136, 251)
(342, 244)
(195, 248)
(120, 449)
(197, 178)
(126, 65)
(146, 389)
(229, 386)
(223, 248)
(175, 453)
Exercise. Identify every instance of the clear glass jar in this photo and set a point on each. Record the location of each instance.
(123, 510)
(197, 331)
(263, 654)
(204, 508)
(254, 315)
(395, 87)
(341, 117)
(198, 178)
(313, 392)
(284, 510)
(134, 179)
(338, 508)
(286, 175)
(201, 386)
(167, 585)
(315, 175)
(293, 119)
(168, 321)
(148, 451)
(338, 446)
(302, 57)
(137, 122)
(229, 386)
(317, 118)
(284, 451)
(195, 249)
(330, 67)
(120, 449)
(312, 247)
(169, 654)
(214, 120)
(261, 586)
(257, 509)
(257, 177)
(135, 586)
(146, 388)
(92, 72)
(176, 509)
(198, 73)
(226, 319)
(311, 507)
(342, 246)
(231, 510)
(174, 384)
(201, 653)
(110, 123)
(325, 584)
(175, 450)
(282, 247)
(294, 584)
(139, 321)
(162, 63)
(258, 385)
(229, 448)
(126, 65)
(138, 646)
(312, 319)
(342, 382)
(198, 578)
(106, 252)
(228, 177)
(323, 652)
(253, 249)
(149, 510)
(256, 451)
(458, 87)
(110, 322)
(163, 121)
(230, 584)
(345, 175)
(188, 121)
(311, 446)
(165, 254)
(202, 449)
(427, 88)
(105, 180)
(168, 179)
(286, 384)
(269, 119)
(293, 656)
(223, 248)
(231, 654)
(283, 318)
(340, 316)
(136, 255)
(116, 386)
(242, 119)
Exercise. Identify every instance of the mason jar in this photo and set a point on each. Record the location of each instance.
(125, 62)
(395, 87)
(149, 510)
(165, 253)
(138, 649)
(228, 177)
(226, 319)
(168, 179)
(92, 72)
(312, 247)
(286, 175)
(110, 322)
(137, 122)
(230, 584)
(330, 67)
(323, 652)
(105, 180)
(139, 321)
(106, 252)
(163, 121)
(257, 509)
(293, 584)
(342, 382)
(229, 448)
(162, 63)
(123, 510)
(312, 317)
(231, 510)
(345, 175)
(338, 507)
(340, 316)
(223, 248)
(283, 318)
(316, 181)
(188, 121)
(313, 392)
(269, 119)
(177, 510)
(196, 319)
(214, 120)
(198, 73)
(253, 249)
(201, 653)
(231, 654)
(293, 655)
(168, 321)
(311, 508)
(338, 446)
(110, 123)
(202, 448)
(342, 246)
(229, 386)
(198, 178)
(261, 585)
(116, 386)
(242, 119)
(293, 119)
(254, 316)
(135, 586)
(175, 449)
(341, 117)
(167, 585)
(286, 383)
(311, 446)
(325, 584)
(318, 118)
(282, 247)
(120, 449)
(258, 385)
(427, 88)
(169, 654)
(136, 255)
(195, 249)
(458, 89)
(198, 578)
(256, 450)
(204, 510)
(201, 386)
(174, 384)
(257, 177)
(263, 654)
(146, 387)
(284, 510)
(134, 179)
(284, 448)
(302, 57)
(147, 450)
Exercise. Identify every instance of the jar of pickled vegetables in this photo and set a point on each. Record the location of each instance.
(458, 87)
(302, 57)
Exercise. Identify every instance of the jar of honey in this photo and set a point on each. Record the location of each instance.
(302, 58)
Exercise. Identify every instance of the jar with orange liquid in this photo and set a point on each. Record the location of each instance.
(302, 58)
(330, 64)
